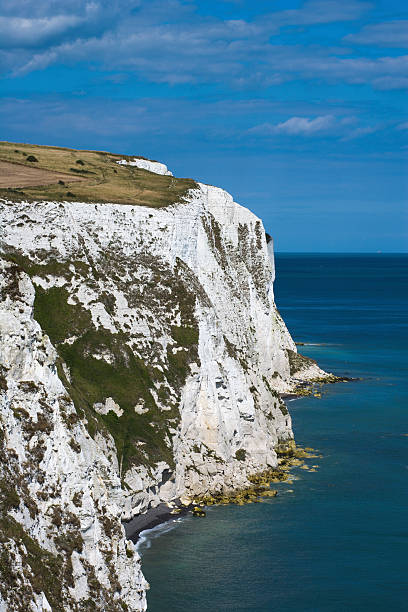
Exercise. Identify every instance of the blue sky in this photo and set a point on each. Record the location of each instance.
(298, 108)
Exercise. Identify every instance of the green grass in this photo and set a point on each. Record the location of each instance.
(48, 266)
(60, 319)
(128, 379)
(104, 180)
(139, 438)
(185, 336)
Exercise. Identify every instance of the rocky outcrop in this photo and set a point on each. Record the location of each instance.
(142, 358)
(146, 164)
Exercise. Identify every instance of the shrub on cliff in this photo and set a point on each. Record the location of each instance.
(240, 454)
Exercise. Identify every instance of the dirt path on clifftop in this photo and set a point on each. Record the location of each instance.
(19, 175)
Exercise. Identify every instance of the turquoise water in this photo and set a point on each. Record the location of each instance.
(338, 542)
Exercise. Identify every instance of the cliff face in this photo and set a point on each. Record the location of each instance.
(141, 359)
(61, 541)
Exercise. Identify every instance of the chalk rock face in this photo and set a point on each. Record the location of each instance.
(142, 357)
(146, 164)
(60, 529)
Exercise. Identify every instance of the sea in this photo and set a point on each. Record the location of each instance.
(334, 540)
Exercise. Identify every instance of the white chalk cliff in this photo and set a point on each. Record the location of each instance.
(146, 164)
(141, 360)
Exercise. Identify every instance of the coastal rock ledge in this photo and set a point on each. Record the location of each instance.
(142, 359)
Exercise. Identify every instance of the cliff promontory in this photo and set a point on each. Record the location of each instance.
(142, 359)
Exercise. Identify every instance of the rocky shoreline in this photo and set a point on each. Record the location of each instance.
(289, 456)
(314, 386)
(152, 518)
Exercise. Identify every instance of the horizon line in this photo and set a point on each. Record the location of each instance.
(341, 252)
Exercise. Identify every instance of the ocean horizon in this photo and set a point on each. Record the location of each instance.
(335, 539)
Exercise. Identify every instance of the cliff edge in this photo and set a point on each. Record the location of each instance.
(142, 359)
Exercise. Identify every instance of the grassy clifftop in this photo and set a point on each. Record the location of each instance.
(35, 172)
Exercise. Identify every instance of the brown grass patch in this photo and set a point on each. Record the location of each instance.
(19, 175)
(88, 176)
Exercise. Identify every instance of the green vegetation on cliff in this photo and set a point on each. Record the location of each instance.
(95, 363)
(298, 362)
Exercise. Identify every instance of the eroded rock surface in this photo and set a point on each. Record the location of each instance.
(142, 358)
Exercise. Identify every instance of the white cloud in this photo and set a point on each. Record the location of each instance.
(22, 32)
(391, 82)
(296, 126)
(386, 34)
(169, 42)
(360, 132)
(325, 11)
(344, 128)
